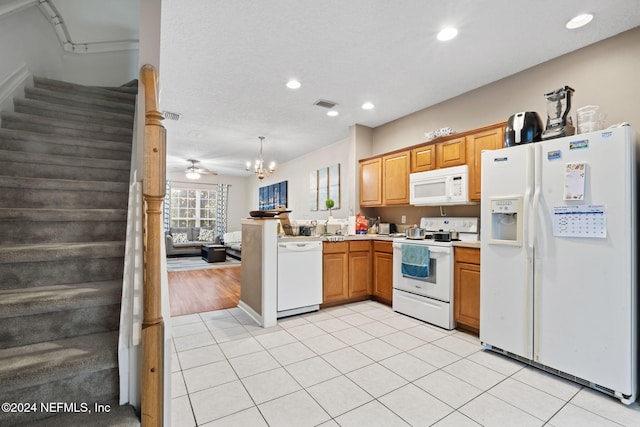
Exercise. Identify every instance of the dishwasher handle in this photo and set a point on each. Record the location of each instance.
(300, 246)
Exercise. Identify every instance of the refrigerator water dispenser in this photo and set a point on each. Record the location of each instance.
(505, 227)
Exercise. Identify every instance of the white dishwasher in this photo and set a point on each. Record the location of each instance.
(299, 277)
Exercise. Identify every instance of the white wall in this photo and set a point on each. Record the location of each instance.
(238, 208)
(26, 37)
(296, 172)
(604, 74)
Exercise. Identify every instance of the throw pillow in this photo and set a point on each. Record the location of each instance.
(206, 235)
(180, 238)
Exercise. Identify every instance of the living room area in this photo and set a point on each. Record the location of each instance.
(203, 242)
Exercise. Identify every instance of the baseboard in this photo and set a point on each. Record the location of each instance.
(13, 86)
(251, 312)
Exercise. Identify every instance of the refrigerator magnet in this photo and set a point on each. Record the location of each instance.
(554, 155)
(574, 181)
(576, 145)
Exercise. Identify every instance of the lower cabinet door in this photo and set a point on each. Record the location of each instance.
(383, 275)
(335, 277)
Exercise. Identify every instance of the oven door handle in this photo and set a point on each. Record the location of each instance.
(432, 249)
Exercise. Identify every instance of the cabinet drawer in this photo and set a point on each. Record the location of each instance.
(468, 255)
(379, 246)
(335, 247)
(356, 246)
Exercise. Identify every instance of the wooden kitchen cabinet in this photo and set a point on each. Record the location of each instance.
(371, 182)
(466, 288)
(383, 271)
(451, 153)
(359, 268)
(423, 158)
(395, 181)
(346, 271)
(335, 271)
(490, 139)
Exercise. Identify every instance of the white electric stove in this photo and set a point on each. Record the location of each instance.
(430, 298)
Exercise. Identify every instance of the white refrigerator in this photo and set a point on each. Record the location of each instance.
(558, 257)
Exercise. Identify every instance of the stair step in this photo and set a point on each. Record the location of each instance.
(30, 274)
(80, 130)
(23, 141)
(64, 194)
(31, 226)
(36, 165)
(33, 364)
(92, 91)
(49, 313)
(56, 111)
(22, 266)
(46, 299)
(78, 101)
(78, 369)
(59, 251)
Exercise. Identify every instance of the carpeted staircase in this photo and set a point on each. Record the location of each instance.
(64, 172)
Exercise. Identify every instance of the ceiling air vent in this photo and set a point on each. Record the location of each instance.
(171, 116)
(325, 103)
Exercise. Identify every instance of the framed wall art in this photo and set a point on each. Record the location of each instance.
(271, 196)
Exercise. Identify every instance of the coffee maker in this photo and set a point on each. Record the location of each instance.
(559, 122)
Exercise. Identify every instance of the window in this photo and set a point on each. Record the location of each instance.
(193, 208)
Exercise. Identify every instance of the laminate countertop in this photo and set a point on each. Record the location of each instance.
(470, 244)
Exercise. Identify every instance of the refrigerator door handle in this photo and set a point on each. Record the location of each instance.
(537, 180)
(528, 232)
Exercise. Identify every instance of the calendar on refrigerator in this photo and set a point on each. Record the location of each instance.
(580, 221)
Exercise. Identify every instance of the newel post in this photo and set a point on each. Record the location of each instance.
(153, 189)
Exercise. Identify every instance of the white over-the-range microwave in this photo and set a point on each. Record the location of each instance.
(440, 187)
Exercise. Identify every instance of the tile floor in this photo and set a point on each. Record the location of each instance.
(363, 365)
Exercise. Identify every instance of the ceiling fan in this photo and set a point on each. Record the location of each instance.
(192, 172)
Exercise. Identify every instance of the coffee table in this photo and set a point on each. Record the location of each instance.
(213, 253)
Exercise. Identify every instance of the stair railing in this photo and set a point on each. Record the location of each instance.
(153, 192)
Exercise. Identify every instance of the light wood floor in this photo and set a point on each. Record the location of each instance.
(203, 290)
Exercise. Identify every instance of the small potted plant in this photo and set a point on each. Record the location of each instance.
(329, 203)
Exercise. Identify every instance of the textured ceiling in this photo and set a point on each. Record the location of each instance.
(224, 65)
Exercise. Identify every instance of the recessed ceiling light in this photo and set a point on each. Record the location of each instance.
(579, 21)
(293, 84)
(447, 34)
(332, 113)
(367, 106)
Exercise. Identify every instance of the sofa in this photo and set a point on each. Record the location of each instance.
(189, 240)
(233, 243)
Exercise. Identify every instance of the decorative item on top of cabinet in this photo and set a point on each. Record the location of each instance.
(383, 271)
(450, 153)
(371, 182)
(395, 181)
(489, 139)
(466, 289)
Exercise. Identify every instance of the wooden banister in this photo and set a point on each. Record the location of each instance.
(153, 192)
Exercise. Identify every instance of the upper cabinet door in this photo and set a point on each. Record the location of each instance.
(451, 153)
(423, 158)
(395, 184)
(488, 140)
(371, 182)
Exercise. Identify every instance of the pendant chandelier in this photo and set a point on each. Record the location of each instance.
(258, 167)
